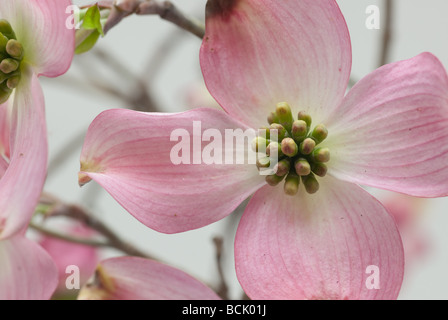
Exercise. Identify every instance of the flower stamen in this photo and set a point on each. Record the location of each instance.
(300, 158)
(11, 56)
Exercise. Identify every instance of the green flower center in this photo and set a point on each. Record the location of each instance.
(11, 56)
(296, 148)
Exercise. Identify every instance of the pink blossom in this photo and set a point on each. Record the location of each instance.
(66, 254)
(132, 278)
(34, 41)
(390, 131)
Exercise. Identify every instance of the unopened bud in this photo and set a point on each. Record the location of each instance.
(299, 130)
(307, 146)
(310, 183)
(15, 49)
(319, 133)
(321, 154)
(284, 114)
(274, 179)
(302, 167)
(305, 117)
(9, 65)
(289, 147)
(291, 186)
(282, 167)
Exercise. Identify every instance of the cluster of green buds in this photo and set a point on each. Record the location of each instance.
(300, 158)
(11, 56)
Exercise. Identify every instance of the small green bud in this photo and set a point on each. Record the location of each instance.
(302, 167)
(274, 179)
(305, 117)
(15, 49)
(282, 167)
(263, 162)
(289, 147)
(272, 118)
(9, 65)
(6, 29)
(13, 82)
(3, 43)
(307, 146)
(321, 155)
(310, 183)
(320, 169)
(274, 148)
(299, 130)
(259, 144)
(319, 133)
(284, 114)
(291, 186)
(281, 131)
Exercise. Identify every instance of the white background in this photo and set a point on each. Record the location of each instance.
(418, 25)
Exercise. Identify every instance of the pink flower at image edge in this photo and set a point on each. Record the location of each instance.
(26, 270)
(390, 131)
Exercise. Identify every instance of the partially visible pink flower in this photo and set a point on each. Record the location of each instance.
(34, 41)
(317, 235)
(66, 254)
(132, 278)
(408, 212)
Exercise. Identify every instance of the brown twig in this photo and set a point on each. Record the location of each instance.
(165, 10)
(223, 289)
(388, 13)
(75, 212)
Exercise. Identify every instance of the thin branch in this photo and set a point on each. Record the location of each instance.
(388, 13)
(223, 289)
(165, 10)
(54, 234)
(77, 213)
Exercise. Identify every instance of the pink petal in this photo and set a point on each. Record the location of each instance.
(40, 25)
(128, 153)
(26, 271)
(22, 182)
(391, 131)
(5, 113)
(66, 253)
(261, 52)
(318, 246)
(131, 278)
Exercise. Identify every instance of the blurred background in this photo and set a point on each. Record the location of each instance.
(146, 61)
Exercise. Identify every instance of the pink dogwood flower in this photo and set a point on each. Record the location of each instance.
(66, 254)
(133, 278)
(318, 235)
(34, 41)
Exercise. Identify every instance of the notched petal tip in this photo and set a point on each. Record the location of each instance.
(83, 179)
(220, 7)
(90, 166)
(100, 287)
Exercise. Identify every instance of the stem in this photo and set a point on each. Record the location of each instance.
(168, 11)
(387, 34)
(165, 10)
(223, 289)
(66, 237)
(77, 213)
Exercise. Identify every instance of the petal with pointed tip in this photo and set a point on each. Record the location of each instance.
(132, 278)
